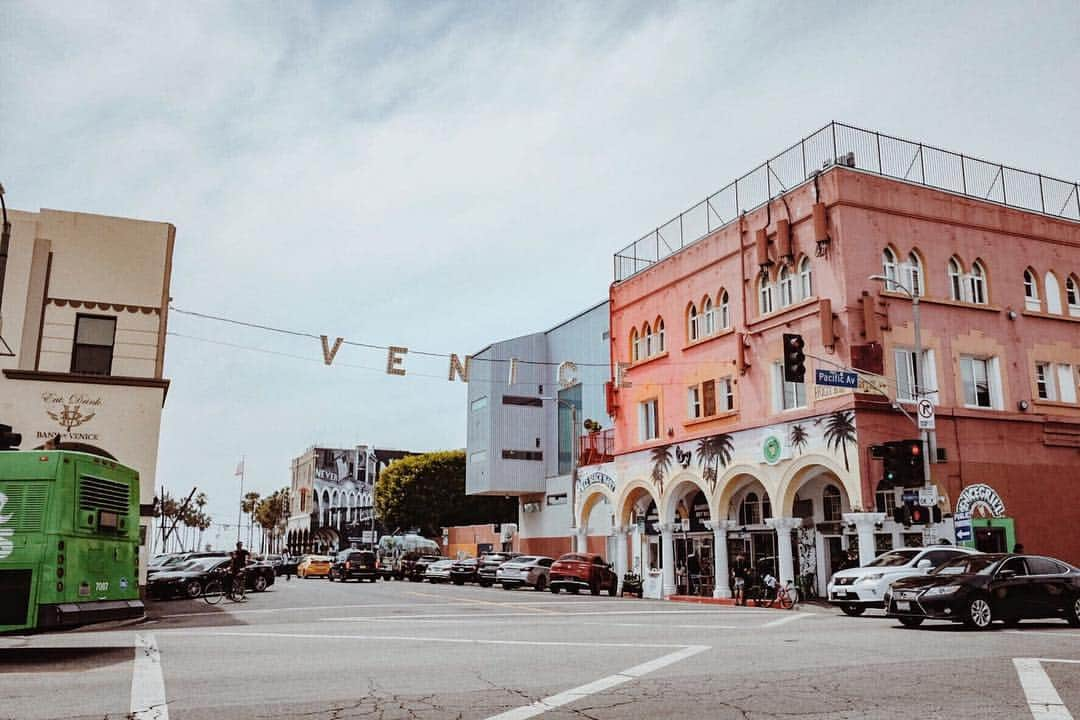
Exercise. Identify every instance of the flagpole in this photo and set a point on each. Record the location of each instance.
(240, 508)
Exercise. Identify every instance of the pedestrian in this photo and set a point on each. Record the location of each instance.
(738, 574)
(693, 572)
(287, 566)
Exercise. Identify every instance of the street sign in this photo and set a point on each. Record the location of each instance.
(926, 415)
(928, 496)
(911, 496)
(836, 378)
(962, 526)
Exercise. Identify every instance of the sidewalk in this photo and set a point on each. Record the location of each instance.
(816, 605)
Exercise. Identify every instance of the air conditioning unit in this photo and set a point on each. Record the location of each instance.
(507, 531)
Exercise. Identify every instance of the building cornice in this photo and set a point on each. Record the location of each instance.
(121, 380)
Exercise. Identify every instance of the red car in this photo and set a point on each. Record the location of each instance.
(578, 571)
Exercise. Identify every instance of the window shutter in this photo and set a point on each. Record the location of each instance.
(709, 397)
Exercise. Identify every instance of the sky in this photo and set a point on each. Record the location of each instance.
(440, 176)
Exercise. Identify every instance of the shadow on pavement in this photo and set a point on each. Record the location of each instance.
(54, 659)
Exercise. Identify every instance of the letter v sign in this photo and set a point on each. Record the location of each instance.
(327, 353)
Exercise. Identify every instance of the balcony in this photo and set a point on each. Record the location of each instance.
(596, 447)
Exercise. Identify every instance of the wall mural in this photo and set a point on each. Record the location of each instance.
(839, 431)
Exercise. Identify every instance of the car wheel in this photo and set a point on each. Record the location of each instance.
(459, 582)
(555, 589)
(484, 583)
(260, 583)
(978, 614)
(612, 589)
(573, 589)
(911, 621)
(853, 610)
(1073, 614)
(193, 589)
(541, 583)
(594, 588)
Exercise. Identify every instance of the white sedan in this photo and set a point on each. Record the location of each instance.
(856, 589)
(438, 571)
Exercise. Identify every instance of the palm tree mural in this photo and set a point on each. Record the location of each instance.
(839, 431)
(714, 452)
(798, 437)
(661, 460)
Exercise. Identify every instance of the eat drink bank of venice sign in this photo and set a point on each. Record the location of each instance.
(597, 478)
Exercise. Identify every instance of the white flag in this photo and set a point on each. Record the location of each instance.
(239, 468)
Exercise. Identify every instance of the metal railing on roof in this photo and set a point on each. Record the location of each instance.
(840, 144)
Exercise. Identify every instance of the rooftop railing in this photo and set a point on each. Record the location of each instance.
(840, 144)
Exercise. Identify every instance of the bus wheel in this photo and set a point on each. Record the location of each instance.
(193, 589)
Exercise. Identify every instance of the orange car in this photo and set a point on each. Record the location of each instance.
(313, 566)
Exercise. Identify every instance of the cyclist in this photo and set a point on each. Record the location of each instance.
(237, 564)
(770, 583)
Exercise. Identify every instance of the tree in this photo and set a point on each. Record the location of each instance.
(270, 514)
(839, 431)
(661, 460)
(798, 437)
(427, 492)
(714, 452)
(247, 506)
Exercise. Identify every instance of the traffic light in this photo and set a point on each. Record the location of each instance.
(902, 463)
(920, 514)
(9, 440)
(794, 358)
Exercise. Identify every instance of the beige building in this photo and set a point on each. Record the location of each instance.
(84, 313)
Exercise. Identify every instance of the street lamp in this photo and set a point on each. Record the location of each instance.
(929, 439)
(573, 456)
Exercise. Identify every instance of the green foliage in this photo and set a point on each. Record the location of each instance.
(428, 492)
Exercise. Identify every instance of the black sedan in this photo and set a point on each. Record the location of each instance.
(189, 579)
(978, 589)
(463, 571)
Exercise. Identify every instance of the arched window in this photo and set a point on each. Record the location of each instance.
(831, 504)
(1053, 293)
(693, 322)
(978, 283)
(914, 274)
(888, 267)
(635, 345)
(709, 315)
(649, 339)
(1072, 295)
(787, 287)
(750, 510)
(1031, 291)
(659, 345)
(725, 315)
(806, 280)
(765, 294)
(956, 280)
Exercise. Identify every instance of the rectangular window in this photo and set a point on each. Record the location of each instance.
(979, 377)
(788, 396)
(479, 403)
(708, 397)
(907, 379)
(95, 336)
(479, 456)
(522, 400)
(568, 434)
(725, 394)
(522, 455)
(649, 420)
(1066, 382)
(1044, 382)
(693, 402)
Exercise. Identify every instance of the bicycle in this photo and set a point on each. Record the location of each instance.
(785, 596)
(216, 589)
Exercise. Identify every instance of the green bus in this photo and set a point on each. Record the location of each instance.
(69, 540)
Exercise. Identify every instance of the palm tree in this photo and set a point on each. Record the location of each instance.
(661, 460)
(248, 506)
(714, 452)
(839, 431)
(798, 437)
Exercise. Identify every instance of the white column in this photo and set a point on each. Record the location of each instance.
(721, 586)
(621, 532)
(864, 526)
(582, 540)
(783, 527)
(667, 549)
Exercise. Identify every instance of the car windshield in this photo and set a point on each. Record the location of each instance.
(973, 565)
(527, 560)
(893, 559)
(199, 564)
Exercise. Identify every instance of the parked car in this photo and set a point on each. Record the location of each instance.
(531, 570)
(353, 564)
(856, 589)
(463, 571)
(313, 566)
(577, 571)
(978, 589)
(398, 555)
(438, 571)
(417, 570)
(175, 560)
(488, 566)
(189, 579)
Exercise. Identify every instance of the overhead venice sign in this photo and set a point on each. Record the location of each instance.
(597, 478)
(980, 500)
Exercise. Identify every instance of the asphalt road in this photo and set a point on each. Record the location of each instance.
(318, 650)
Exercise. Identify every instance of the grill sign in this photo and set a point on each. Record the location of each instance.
(7, 546)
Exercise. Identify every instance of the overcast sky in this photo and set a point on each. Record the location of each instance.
(440, 176)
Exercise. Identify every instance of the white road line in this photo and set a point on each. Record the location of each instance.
(486, 615)
(459, 641)
(403, 606)
(1043, 700)
(582, 691)
(786, 620)
(1046, 632)
(147, 683)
